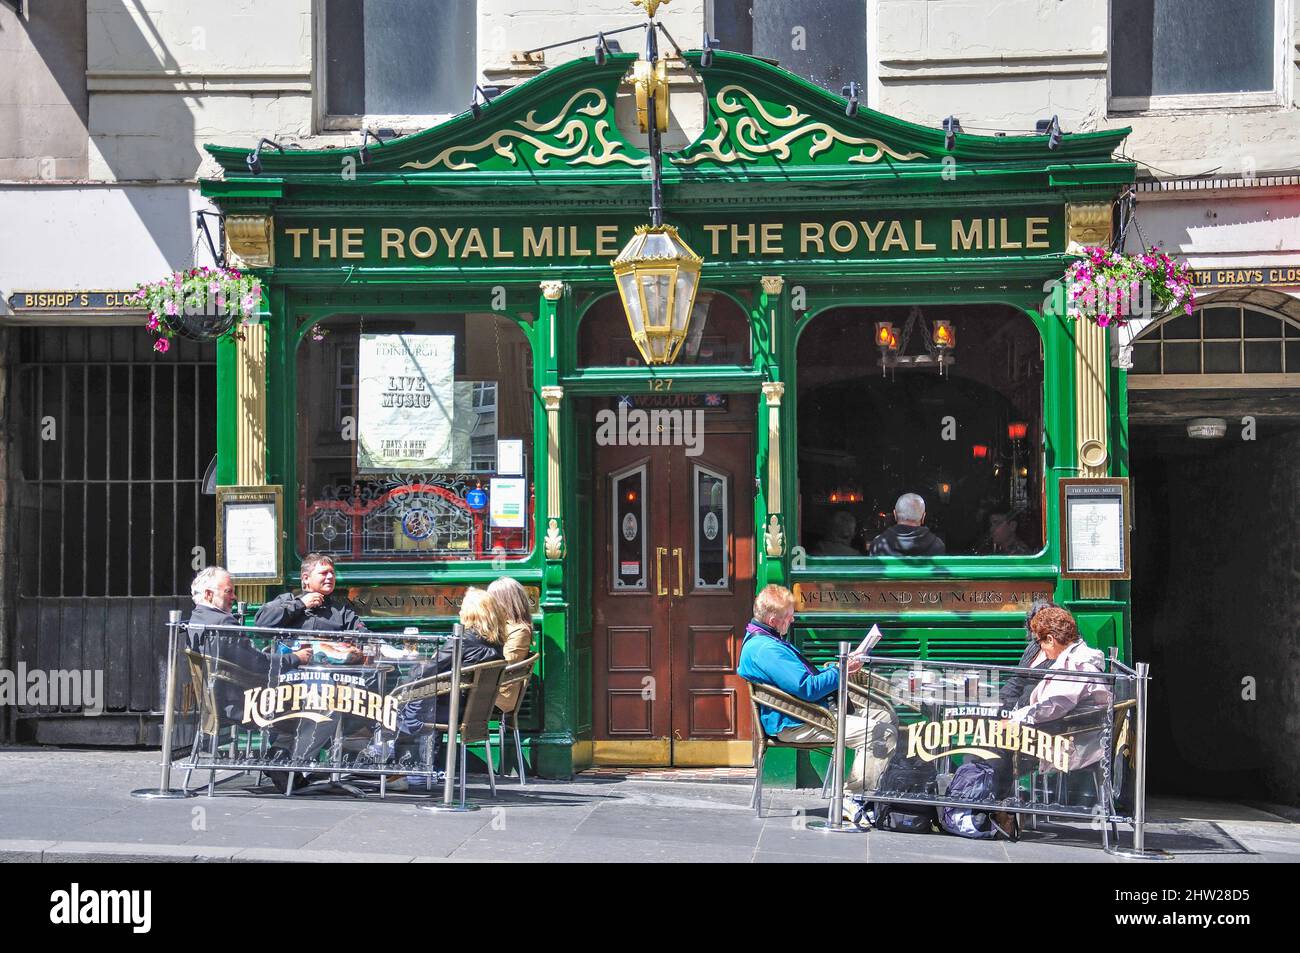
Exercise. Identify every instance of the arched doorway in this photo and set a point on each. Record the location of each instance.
(1216, 565)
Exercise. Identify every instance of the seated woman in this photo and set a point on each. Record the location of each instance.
(1054, 697)
(485, 630)
(518, 612)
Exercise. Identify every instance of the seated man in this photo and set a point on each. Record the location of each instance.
(317, 609)
(839, 541)
(908, 537)
(1003, 529)
(768, 658)
(213, 592)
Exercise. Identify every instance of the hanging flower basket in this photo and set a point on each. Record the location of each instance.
(1112, 288)
(202, 304)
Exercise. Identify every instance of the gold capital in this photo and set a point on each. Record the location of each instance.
(773, 391)
(772, 284)
(1088, 224)
(551, 397)
(552, 290)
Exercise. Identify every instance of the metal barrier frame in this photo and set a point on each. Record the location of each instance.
(1140, 678)
(177, 630)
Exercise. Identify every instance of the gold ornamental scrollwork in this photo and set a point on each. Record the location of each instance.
(755, 137)
(774, 538)
(249, 241)
(564, 136)
(553, 545)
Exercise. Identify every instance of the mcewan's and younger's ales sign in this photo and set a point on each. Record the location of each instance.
(847, 236)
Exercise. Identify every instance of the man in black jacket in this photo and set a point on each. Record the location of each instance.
(908, 537)
(318, 608)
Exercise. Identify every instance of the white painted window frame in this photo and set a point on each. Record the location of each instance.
(1277, 97)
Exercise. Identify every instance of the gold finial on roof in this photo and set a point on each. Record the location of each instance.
(650, 6)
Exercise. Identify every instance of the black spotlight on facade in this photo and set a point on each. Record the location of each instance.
(484, 93)
(710, 44)
(951, 126)
(254, 159)
(1052, 129)
(851, 91)
(604, 47)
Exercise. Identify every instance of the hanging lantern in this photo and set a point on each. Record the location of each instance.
(1017, 430)
(979, 451)
(657, 275)
(945, 336)
(886, 336)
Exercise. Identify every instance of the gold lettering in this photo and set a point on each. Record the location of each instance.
(538, 244)
(359, 702)
(392, 238)
(474, 244)
(933, 734)
(1061, 753)
(872, 233)
(895, 236)
(575, 246)
(497, 250)
(919, 243)
(299, 693)
(317, 243)
(607, 241)
(1036, 232)
(961, 238)
(980, 738)
(965, 728)
(451, 240)
(996, 733)
(715, 233)
(373, 703)
(427, 232)
(991, 242)
(1004, 240)
(747, 237)
(842, 246)
(352, 242)
(810, 232)
(1044, 745)
(1026, 740)
(771, 238)
(296, 234)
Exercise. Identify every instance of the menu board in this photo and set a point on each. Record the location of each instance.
(1094, 528)
(249, 533)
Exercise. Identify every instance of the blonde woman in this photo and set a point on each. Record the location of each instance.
(518, 612)
(485, 629)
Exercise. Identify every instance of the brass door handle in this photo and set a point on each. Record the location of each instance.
(660, 552)
(677, 551)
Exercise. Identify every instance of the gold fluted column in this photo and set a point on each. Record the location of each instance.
(554, 542)
(774, 534)
(250, 427)
(1091, 225)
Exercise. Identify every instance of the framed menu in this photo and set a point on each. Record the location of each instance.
(249, 533)
(1095, 522)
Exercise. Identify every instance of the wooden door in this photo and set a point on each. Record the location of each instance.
(674, 587)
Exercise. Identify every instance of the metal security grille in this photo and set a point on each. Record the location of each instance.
(107, 489)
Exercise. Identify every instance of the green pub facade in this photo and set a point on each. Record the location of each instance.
(446, 386)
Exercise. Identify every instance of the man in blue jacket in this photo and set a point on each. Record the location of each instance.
(768, 658)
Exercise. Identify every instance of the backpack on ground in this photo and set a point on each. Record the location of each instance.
(972, 781)
(905, 777)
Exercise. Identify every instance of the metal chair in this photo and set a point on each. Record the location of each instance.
(515, 674)
(480, 683)
(1084, 724)
(767, 696)
(209, 674)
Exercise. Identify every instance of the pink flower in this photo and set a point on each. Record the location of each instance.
(161, 345)
(153, 322)
(170, 307)
(249, 303)
(213, 287)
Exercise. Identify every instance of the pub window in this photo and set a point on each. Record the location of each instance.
(719, 334)
(965, 436)
(401, 60)
(1220, 340)
(428, 450)
(1196, 53)
(824, 41)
